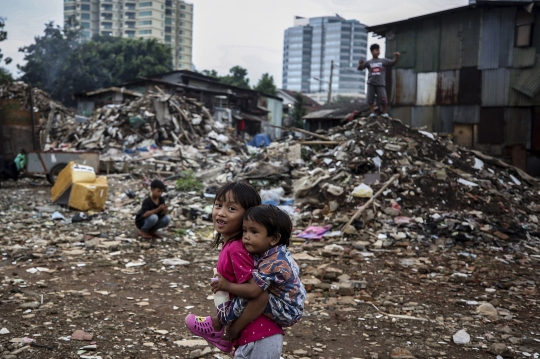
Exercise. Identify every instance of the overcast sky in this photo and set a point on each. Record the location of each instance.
(248, 33)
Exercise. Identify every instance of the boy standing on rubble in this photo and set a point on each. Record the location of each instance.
(376, 84)
(153, 213)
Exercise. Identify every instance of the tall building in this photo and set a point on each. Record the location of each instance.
(309, 48)
(168, 21)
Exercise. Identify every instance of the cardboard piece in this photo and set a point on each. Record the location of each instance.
(89, 196)
(72, 173)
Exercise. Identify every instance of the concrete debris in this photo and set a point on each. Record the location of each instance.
(397, 273)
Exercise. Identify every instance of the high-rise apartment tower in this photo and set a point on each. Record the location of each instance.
(168, 21)
(312, 44)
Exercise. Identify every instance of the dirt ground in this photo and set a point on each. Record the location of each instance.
(414, 297)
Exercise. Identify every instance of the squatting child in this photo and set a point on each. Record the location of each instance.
(153, 213)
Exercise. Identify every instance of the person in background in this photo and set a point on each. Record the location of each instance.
(153, 213)
(376, 84)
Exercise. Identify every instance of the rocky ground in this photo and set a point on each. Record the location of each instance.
(97, 280)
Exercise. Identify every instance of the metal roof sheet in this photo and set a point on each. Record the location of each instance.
(507, 28)
(470, 37)
(489, 41)
(451, 28)
(426, 89)
(524, 57)
(515, 97)
(406, 45)
(422, 116)
(466, 114)
(529, 80)
(402, 113)
(428, 42)
(319, 114)
(517, 126)
(470, 81)
(495, 86)
(443, 119)
(405, 87)
(447, 87)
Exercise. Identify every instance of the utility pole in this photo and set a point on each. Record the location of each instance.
(330, 84)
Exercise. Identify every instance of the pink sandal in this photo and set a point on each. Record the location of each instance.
(202, 327)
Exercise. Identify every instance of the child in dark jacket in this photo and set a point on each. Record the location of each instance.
(153, 213)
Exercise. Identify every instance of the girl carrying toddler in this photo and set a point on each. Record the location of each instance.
(257, 270)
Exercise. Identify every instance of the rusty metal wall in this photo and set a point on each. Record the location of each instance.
(523, 57)
(447, 87)
(443, 120)
(507, 28)
(518, 126)
(490, 39)
(406, 44)
(402, 113)
(428, 43)
(529, 81)
(491, 126)
(405, 87)
(466, 114)
(470, 82)
(495, 87)
(426, 89)
(470, 37)
(451, 29)
(422, 116)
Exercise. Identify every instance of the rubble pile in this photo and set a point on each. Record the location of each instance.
(442, 189)
(152, 122)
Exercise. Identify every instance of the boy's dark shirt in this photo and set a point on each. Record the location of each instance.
(377, 70)
(147, 205)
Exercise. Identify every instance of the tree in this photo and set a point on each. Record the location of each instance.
(266, 84)
(299, 111)
(58, 63)
(211, 73)
(237, 77)
(5, 75)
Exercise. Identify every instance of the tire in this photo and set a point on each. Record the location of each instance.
(53, 173)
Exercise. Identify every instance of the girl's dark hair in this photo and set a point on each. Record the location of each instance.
(242, 193)
(274, 220)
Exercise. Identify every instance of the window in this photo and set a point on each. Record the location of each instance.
(106, 7)
(85, 16)
(180, 66)
(130, 24)
(69, 7)
(183, 7)
(130, 15)
(106, 25)
(145, 13)
(524, 27)
(168, 21)
(145, 32)
(69, 0)
(145, 22)
(86, 33)
(180, 57)
(85, 7)
(130, 6)
(85, 25)
(181, 49)
(181, 32)
(130, 33)
(183, 15)
(145, 4)
(106, 33)
(168, 38)
(182, 23)
(168, 2)
(181, 40)
(168, 29)
(168, 12)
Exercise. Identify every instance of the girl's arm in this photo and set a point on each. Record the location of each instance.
(248, 290)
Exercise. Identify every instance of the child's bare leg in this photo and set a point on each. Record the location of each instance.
(254, 308)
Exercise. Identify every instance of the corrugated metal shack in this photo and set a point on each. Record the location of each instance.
(472, 71)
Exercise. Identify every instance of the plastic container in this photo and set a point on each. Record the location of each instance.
(220, 297)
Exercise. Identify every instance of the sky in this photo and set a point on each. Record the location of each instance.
(248, 33)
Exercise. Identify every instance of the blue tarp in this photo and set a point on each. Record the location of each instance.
(260, 140)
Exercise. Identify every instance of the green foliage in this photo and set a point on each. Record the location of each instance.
(5, 75)
(237, 77)
(211, 73)
(266, 84)
(58, 63)
(189, 182)
(299, 111)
